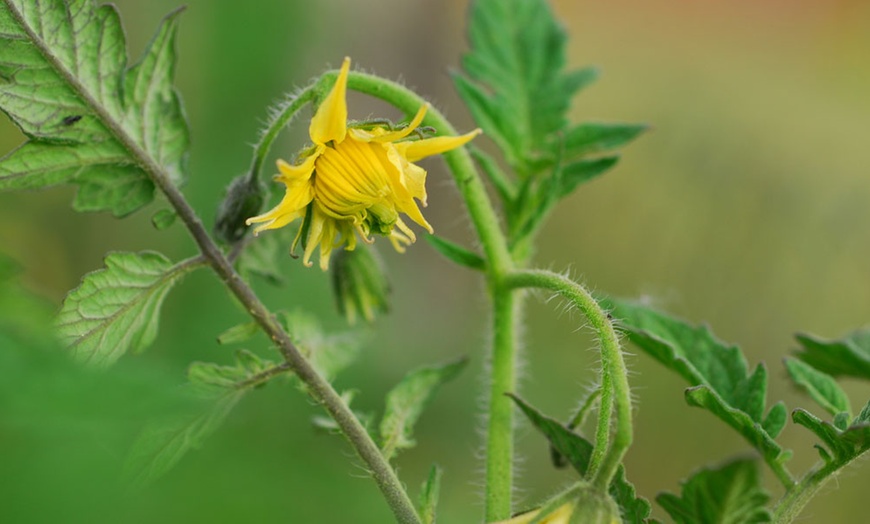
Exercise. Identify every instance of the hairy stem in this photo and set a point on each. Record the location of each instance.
(499, 436)
(499, 454)
(480, 208)
(798, 495)
(615, 405)
(283, 115)
(319, 388)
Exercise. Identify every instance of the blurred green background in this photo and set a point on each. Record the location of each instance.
(746, 207)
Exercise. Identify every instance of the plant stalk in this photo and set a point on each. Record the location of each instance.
(320, 389)
(500, 430)
(615, 407)
(500, 421)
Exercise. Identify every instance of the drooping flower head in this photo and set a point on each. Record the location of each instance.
(354, 181)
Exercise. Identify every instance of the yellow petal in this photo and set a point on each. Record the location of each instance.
(413, 176)
(291, 207)
(330, 120)
(416, 150)
(291, 174)
(400, 186)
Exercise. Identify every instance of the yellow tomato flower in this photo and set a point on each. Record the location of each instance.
(354, 181)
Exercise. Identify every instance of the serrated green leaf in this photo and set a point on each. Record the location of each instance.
(163, 219)
(213, 380)
(752, 431)
(457, 253)
(162, 444)
(717, 372)
(67, 86)
(407, 400)
(591, 138)
(583, 171)
(116, 309)
(848, 356)
(845, 443)
(573, 447)
(239, 333)
(516, 88)
(118, 189)
(578, 451)
(820, 386)
(729, 494)
(429, 496)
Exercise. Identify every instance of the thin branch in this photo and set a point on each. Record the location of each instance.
(318, 387)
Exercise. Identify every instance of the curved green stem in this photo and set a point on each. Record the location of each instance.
(282, 117)
(615, 398)
(461, 165)
(499, 453)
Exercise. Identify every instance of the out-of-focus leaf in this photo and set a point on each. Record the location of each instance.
(163, 219)
(239, 333)
(261, 257)
(583, 171)
(22, 313)
(820, 386)
(407, 400)
(162, 444)
(578, 451)
(730, 494)
(116, 309)
(457, 253)
(64, 81)
(516, 88)
(717, 372)
(429, 496)
(591, 138)
(848, 356)
(330, 353)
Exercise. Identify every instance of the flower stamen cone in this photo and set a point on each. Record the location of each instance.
(355, 181)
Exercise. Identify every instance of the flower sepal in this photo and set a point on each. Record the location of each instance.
(582, 503)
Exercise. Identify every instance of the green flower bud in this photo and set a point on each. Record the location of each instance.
(360, 284)
(595, 507)
(244, 199)
(580, 504)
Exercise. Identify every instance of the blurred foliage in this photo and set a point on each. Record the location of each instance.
(745, 206)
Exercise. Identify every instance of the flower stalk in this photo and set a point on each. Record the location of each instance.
(615, 407)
